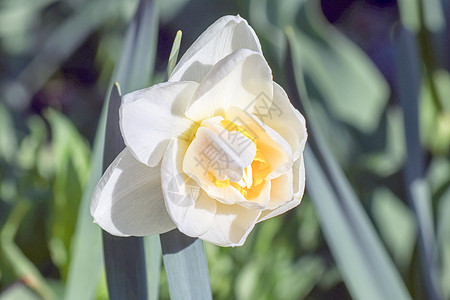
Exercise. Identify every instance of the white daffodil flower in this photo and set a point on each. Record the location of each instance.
(213, 151)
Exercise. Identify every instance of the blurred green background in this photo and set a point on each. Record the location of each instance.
(372, 78)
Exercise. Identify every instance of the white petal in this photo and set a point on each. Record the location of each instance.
(276, 150)
(298, 171)
(128, 199)
(189, 207)
(237, 80)
(281, 191)
(152, 116)
(232, 224)
(225, 36)
(286, 120)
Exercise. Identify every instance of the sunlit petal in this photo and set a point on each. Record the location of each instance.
(225, 36)
(236, 80)
(152, 116)
(232, 225)
(298, 171)
(281, 191)
(189, 207)
(128, 199)
(272, 146)
(287, 121)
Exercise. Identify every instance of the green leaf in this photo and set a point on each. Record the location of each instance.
(8, 139)
(87, 257)
(349, 83)
(135, 67)
(391, 159)
(435, 122)
(433, 15)
(443, 236)
(125, 267)
(70, 156)
(362, 260)
(408, 72)
(22, 266)
(410, 14)
(153, 261)
(396, 224)
(86, 254)
(125, 257)
(174, 53)
(186, 267)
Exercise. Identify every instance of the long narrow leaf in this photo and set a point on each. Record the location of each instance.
(408, 69)
(363, 261)
(87, 254)
(186, 267)
(86, 246)
(153, 261)
(341, 71)
(125, 257)
(135, 67)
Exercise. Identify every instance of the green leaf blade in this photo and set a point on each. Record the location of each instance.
(185, 263)
(133, 71)
(363, 261)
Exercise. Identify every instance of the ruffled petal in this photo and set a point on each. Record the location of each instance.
(298, 171)
(232, 224)
(260, 200)
(286, 120)
(194, 212)
(212, 155)
(275, 149)
(237, 80)
(281, 191)
(128, 199)
(225, 36)
(152, 116)
(189, 207)
(210, 159)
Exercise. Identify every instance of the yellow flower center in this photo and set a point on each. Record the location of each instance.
(254, 175)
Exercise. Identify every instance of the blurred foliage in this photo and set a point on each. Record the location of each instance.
(56, 61)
